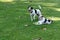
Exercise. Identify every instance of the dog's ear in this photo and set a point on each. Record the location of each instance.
(31, 7)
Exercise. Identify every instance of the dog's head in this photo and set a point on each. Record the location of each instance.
(30, 8)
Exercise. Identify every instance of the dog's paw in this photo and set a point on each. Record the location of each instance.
(36, 23)
(31, 19)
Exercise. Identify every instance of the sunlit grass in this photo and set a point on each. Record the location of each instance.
(6, 0)
(56, 9)
(48, 4)
(54, 18)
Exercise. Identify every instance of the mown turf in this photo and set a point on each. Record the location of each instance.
(14, 15)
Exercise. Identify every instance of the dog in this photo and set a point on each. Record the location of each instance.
(43, 20)
(34, 12)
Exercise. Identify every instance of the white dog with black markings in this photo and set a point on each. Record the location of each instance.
(34, 12)
(43, 20)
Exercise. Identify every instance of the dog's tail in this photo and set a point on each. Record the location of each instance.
(39, 7)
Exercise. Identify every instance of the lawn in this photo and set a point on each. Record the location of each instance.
(14, 16)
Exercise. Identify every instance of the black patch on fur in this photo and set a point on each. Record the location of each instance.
(48, 20)
(36, 12)
(45, 20)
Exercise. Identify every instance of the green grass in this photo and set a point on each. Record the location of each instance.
(14, 15)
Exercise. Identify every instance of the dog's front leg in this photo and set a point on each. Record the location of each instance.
(31, 17)
(34, 17)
